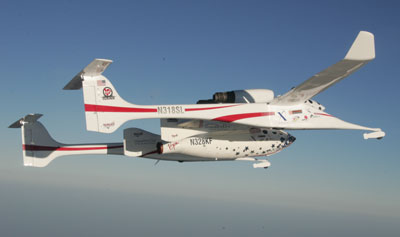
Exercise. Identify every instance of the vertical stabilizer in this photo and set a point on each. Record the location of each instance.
(39, 148)
(36, 141)
(99, 96)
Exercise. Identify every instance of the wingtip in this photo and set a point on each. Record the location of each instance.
(377, 134)
(363, 47)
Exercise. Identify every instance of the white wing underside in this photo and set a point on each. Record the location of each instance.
(361, 52)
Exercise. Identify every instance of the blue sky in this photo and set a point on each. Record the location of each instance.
(327, 183)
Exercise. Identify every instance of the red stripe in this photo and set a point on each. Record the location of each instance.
(57, 148)
(149, 153)
(218, 107)
(234, 117)
(105, 108)
(324, 114)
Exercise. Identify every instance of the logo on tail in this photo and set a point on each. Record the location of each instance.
(108, 93)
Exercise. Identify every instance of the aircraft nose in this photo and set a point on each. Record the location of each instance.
(291, 139)
(287, 141)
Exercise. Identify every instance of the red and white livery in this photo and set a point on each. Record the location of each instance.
(233, 125)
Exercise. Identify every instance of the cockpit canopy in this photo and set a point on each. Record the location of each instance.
(241, 96)
(315, 105)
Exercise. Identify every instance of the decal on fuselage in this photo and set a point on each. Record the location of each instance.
(174, 109)
(108, 125)
(197, 141)
(298, 111)
(108, 93)
(172, 146)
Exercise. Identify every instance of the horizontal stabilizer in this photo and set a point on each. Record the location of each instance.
(95, 68)
(30, 118)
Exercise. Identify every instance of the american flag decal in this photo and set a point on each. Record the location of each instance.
(101, 82)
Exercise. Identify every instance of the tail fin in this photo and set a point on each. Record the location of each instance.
(98, 94)
(35, 140)
(106, 111)
(39, 148)
(138, 142)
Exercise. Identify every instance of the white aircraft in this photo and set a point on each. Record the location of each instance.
(234, 125)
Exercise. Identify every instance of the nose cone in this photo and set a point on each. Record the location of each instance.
(289, 140)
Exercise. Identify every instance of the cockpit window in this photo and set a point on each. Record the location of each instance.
(310, 101)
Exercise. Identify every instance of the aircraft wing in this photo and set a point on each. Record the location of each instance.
(361, 52)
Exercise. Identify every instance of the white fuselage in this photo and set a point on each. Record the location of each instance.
(204, 140)
(106, 111)
(259, 143)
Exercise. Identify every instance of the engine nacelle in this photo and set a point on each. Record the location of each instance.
(244, 96)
